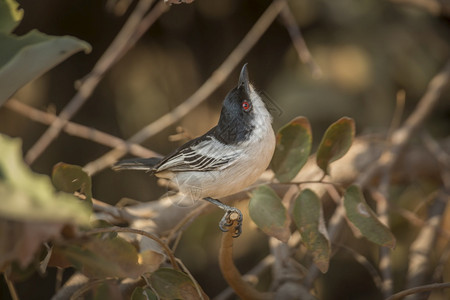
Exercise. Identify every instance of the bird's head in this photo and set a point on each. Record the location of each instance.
(243, 110)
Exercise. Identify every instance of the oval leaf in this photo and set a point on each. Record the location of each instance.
(71, 178)
(25, 58)
(140, 293)
(364, 220)
(308, 216)
(335, 142)
(103, 257)
(292, 150)
(172, 284)
(269, 214)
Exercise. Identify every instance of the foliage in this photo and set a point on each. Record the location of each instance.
(27, 57)
(309, 209)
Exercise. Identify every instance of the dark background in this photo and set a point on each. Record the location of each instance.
(368, 51)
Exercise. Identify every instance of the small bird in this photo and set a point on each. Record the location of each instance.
(226, 159)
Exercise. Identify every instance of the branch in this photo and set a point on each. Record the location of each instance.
(419, 254)
(420, 289)
(232, 274)
(434, 7)
(124, 40)
(208, 87)
(402, 135)
(305, 56)
(78, 130)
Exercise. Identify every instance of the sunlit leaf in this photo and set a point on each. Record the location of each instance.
(140, 293)
(105, 257)
(71, 178)
(27, 57)
(364, 220)
(269, 214)
(335, 142)
(106, 290)
(292, 149)
(10, 15)
(172, 284)
(31, 211)
(308, 217)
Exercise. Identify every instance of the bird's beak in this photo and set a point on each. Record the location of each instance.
(243, 79)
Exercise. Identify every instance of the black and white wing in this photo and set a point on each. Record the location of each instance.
(205, 153)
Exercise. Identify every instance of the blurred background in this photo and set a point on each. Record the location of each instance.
(367, 50)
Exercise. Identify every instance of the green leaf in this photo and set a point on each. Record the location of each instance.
(27, 57)
(292, 150)
(31, 211)
(172, 284)
(140, 293)
(335, 143)
(10, 15)
(364, 220)
(308, 216)
(269, 214)
(71, 178)
(105, 257)
(27, 196)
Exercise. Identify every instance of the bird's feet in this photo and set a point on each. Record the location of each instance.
(232, 216)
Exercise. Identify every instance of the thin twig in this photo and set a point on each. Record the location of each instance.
(78, 130)
(106, 61)
(420, 250)
(420, 289)
(11, 288)
(434, 7)
(305, 56)
(188, 218)
(208, 87)
(197, 286)
(361, 259)
(398, 113)
(88, 286)
(401, 136)
(381, 196)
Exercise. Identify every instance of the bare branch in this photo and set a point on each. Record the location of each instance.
(420, 289)
(78, 130)
(299, 43)
(434, 7)
(401, 136)
(381, 196)
(419, 254)
(115, 51)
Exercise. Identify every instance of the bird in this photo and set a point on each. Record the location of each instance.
(228, 158)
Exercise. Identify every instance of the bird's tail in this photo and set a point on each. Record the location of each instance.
(143, 164)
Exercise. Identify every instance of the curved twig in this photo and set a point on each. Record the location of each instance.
(420, 289)
(232, 274)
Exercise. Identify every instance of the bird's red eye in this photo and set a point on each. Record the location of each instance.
(246, 106)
